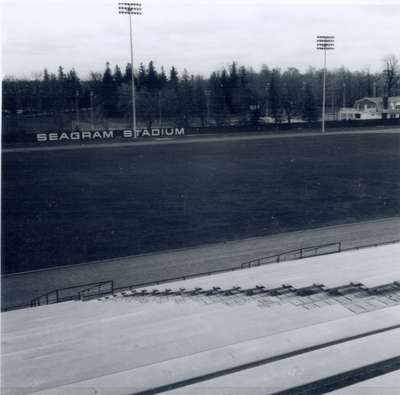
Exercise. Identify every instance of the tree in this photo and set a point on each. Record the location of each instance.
(141, 77)
(291, 92)
(173, 78)
(10, 95)
(128, 74)
(108, 93)
(162, 79)
(151, 80)
(187, 97)
(310, 109)
(72, 88)
(118, 77)
(200, 99)
(171, 97)
(218, 108)
(275, 105)
(390, 74)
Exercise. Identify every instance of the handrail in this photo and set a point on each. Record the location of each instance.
(371, 245)
(56, 293)
(299, 251)
(277, 258)
(85, 293)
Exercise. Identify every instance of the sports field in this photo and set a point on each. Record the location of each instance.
(66, 207)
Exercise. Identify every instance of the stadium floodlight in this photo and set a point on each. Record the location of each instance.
(325, 43)
(131, 9)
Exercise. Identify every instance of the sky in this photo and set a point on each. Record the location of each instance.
(201, 36)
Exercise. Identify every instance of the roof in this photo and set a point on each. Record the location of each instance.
(378, 100)
(259, 330)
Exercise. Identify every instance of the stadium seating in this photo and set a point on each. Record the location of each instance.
(245, 329)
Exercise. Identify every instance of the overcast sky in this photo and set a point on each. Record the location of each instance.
(200, 36)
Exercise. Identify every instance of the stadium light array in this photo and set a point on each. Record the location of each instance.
(325, 43)
(131, 9)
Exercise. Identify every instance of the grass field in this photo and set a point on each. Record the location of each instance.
(67, 207)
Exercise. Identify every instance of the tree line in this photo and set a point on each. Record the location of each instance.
(232, 95)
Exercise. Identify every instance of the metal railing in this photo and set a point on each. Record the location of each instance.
(72, 293)
(96, 290)
(299, 253)
(92, 290)
(371, 245)
(322, 249)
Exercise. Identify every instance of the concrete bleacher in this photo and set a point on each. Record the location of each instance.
(386, 384)
(215, 333)
(299, 370)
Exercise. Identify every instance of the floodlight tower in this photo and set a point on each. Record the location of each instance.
(131, 9)
(325, 43)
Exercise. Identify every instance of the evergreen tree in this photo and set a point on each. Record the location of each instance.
(72, 89)
(141, 77)
(218, 108)
(151, 80)
(118, 77)
(162, 79)
(187, 97)
(61, 91)
(171, 97)
(200, 99)
(233, 99)
(128, 74)
(46, 92)
(10, 95)
(173, 78)
(109, 93)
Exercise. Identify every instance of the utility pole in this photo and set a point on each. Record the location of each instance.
(324, 43)
(91, 111)
(77, 107)
(208, 93)
(131, 9)
(160, 107)
(344, 94)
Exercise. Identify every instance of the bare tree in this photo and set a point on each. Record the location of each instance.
(391, 73)
(390, 76)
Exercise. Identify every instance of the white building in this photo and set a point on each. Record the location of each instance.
(371, 108)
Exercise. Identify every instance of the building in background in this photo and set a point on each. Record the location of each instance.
(371, 108)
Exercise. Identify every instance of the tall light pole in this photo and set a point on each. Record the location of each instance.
(131, 9)
(325, 43)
